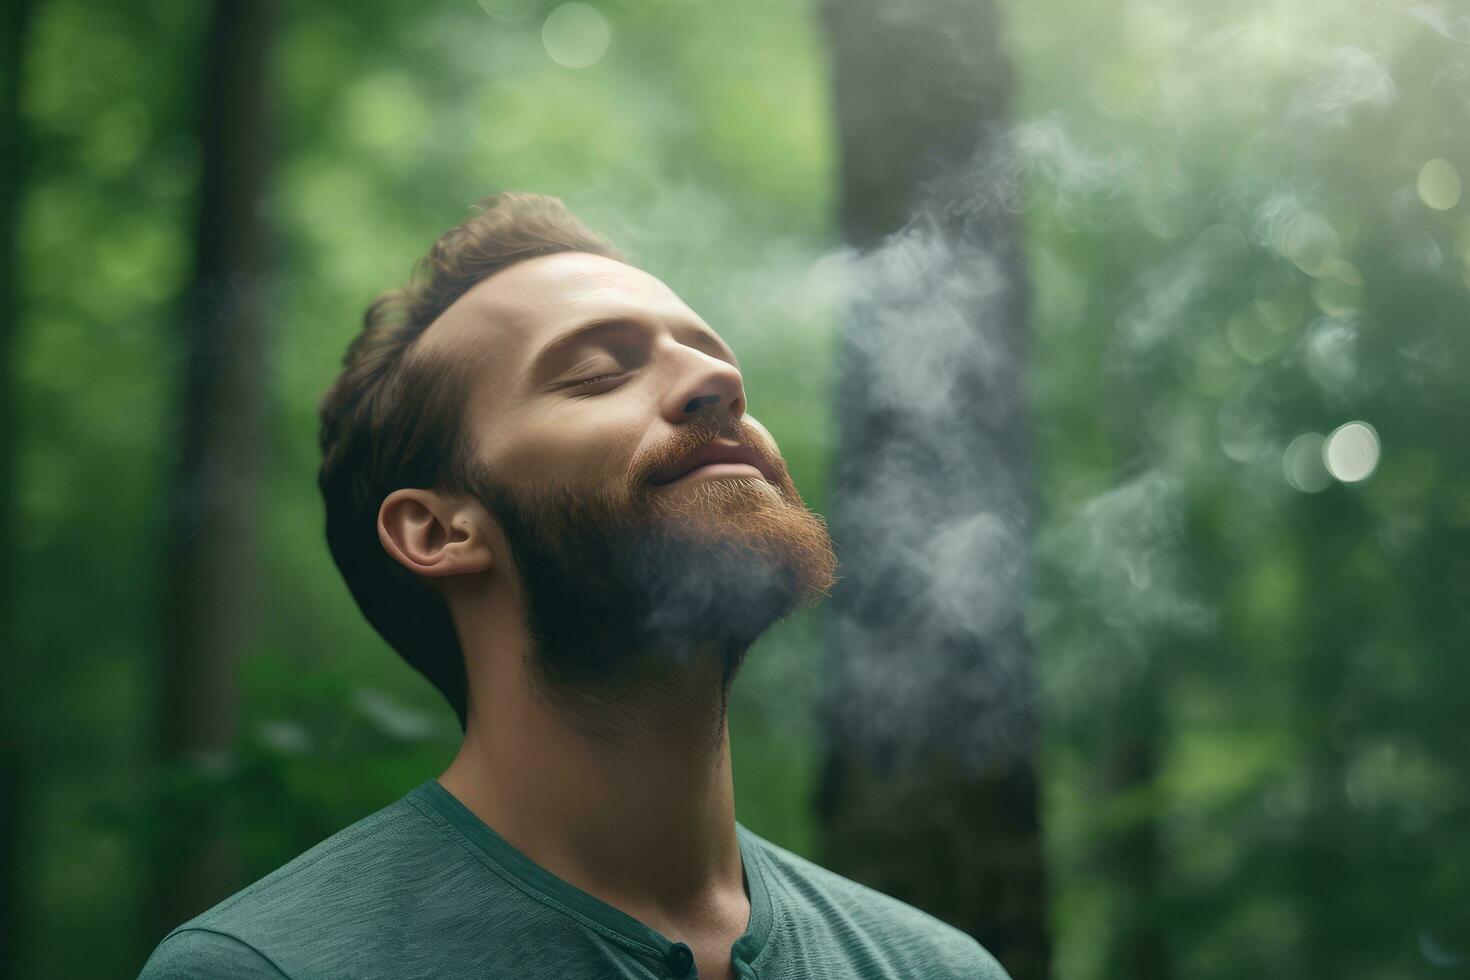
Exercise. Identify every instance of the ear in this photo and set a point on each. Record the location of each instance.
(431, 534)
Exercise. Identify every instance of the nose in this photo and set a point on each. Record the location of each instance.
(703, 383)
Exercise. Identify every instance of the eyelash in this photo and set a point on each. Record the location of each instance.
(590, 381)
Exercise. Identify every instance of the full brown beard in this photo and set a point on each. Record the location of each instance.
(630, 591)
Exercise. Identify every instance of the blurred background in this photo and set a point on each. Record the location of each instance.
(1124, 344)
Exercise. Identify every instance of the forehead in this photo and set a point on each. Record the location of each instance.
(501, 322)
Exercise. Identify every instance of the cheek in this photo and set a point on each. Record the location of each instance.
(578, 446)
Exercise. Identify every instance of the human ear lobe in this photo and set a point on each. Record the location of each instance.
(433, 535)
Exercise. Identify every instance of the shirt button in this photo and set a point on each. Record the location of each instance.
(679, 959)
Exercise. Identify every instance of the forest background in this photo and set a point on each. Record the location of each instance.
(1125, 343)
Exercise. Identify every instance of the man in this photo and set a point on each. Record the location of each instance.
(544, 489)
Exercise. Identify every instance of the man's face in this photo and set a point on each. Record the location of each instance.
(593, 385)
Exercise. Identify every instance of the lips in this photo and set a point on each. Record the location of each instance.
(715, 451)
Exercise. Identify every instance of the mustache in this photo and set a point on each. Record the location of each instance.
(692, 435)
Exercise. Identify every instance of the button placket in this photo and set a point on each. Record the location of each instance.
(679, 960)
(740, 953)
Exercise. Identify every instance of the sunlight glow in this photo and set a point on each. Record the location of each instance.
(1439, 184)
(1302, 463)
(576, 35)
(1351, 452)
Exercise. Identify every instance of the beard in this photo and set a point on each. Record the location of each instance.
(638, 598)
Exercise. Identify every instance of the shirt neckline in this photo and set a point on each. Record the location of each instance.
(548, 888)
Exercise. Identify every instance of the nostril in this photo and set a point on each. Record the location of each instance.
(695, 403)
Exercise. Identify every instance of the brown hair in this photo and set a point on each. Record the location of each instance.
(392, 418)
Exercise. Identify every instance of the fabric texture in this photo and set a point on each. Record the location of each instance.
(424, 888)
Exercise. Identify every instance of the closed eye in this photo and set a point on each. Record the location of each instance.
(588, 382)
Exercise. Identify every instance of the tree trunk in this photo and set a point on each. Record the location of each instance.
(929, 788)
(212, 573)
(1132, 857)
(14, 157)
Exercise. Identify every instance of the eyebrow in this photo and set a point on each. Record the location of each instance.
(546, 358)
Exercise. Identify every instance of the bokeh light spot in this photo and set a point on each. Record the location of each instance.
(1351, 452)
(1244, 428)
(1439, 184)
(1302, 463)
(1253, 338)
(1444, 942)
(576, 35)
(1281, 315)
(287, 737)
(1220, 245)
(1311, 242)
(1335, 297)
(1345, 272)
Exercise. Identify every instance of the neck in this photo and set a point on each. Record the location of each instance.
(635, 807)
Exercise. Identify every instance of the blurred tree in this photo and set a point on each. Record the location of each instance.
(929, 789)
(14, 155)
(212, 574)
(1247, 229)
(1245, 226)
(1127, 774)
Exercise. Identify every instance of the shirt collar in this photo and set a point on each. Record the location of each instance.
(548, 888)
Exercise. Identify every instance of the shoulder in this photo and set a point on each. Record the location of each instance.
(357, 858)
(347, 886)
(189, 953)
(916, 943)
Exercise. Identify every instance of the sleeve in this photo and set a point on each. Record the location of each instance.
(197, 953)
(986, 965)
(952, 954)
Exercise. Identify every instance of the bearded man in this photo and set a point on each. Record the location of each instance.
(544, 489)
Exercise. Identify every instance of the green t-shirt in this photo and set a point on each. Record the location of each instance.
(423, 888)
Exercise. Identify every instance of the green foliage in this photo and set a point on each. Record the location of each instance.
(1232, 245)
(1237, 235)
(699, 143)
